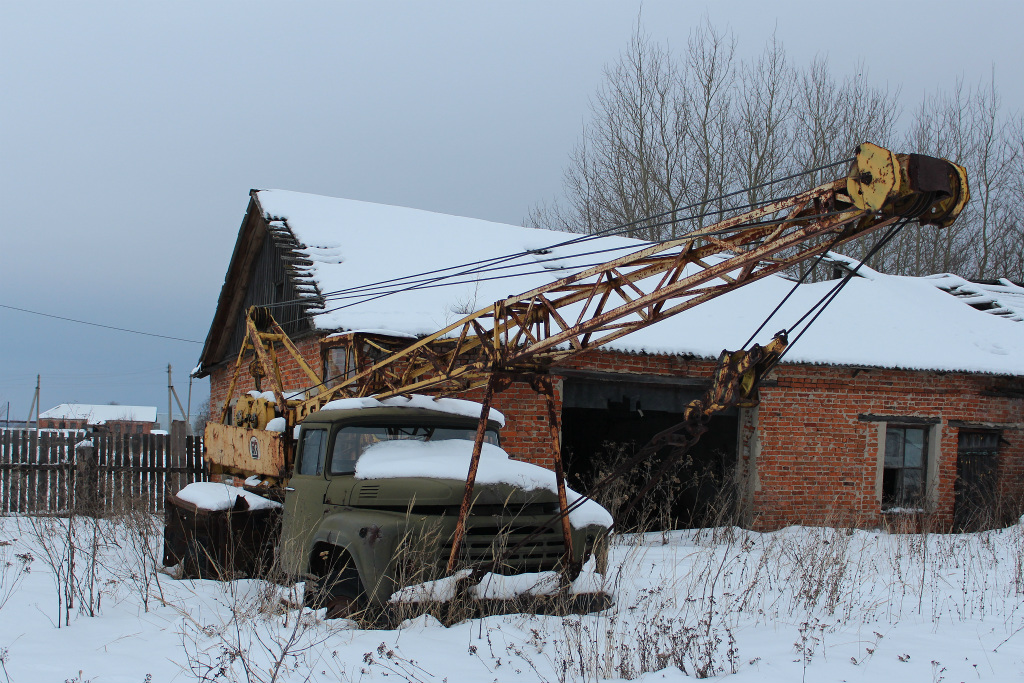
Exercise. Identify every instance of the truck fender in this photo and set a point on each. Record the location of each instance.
(366, 539)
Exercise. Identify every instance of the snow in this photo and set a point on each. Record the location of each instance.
(500, 587)
(85, 443)
(208, 495)
(877, 321)
(100, 414)
(278, 424)
(450, 460)
(1004, 299)
(268, 395)
(452, 406)
(440, 590)
(380, 331)
(802, 603)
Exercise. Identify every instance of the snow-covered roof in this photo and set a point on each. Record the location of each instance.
(101, 414)
(881, 321)
(1002, 297)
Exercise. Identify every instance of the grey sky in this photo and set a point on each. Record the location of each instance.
(130, 134)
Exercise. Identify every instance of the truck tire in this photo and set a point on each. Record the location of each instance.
(340, 591)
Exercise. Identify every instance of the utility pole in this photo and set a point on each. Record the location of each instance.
(171, 392)
(170, 388)
(35, 406)
(188, 410)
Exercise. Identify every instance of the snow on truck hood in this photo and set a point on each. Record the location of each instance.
(450, 460)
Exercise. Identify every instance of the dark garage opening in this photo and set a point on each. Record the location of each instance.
(604, 422)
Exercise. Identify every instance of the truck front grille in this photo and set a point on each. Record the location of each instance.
(519, 547)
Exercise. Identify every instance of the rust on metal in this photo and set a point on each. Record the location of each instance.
(544, 385)
(474, 464)
(254, 451)
(529, 332)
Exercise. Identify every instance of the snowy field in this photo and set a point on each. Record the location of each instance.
(799, 604)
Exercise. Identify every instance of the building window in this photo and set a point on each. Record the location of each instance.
(903, 476)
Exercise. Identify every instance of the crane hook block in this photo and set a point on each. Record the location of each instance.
(912, 185)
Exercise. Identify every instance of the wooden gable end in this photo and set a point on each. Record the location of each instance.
(264, 271)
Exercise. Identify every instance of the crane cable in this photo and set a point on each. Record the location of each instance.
(303, 390)
(648, 450)
(433, 284)
(607, 232)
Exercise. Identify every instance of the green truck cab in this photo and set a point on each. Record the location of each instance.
(358, 536)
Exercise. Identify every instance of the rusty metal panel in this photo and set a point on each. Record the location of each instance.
(254, 451)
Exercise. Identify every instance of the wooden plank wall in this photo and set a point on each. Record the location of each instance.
(45, 472)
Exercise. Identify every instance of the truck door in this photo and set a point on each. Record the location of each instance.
(304, 500)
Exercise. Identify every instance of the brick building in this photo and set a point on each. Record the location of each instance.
(901, 400)
(103, 418)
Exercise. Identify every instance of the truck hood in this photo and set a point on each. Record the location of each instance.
(446, 463)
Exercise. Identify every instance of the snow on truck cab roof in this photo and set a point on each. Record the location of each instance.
(449, 406)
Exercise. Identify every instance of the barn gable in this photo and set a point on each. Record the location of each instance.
(267, 268)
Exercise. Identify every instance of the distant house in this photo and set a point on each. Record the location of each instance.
(901, 399)
(104, 418)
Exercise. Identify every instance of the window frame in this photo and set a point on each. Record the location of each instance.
(930, 462)
(301, 451)
(492, 436)
(899, 498)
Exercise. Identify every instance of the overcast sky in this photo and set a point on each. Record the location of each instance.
(131, 133)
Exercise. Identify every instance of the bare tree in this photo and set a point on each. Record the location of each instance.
(201, 418)
(763, 121)
(678, 141)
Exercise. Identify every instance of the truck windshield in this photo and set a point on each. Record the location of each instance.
(350, 442)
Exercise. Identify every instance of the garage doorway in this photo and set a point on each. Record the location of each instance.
(605, 422)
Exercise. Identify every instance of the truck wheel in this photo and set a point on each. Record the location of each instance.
(341, 607)
(341, 592)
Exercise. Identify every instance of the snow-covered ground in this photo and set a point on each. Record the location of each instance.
(798, 604)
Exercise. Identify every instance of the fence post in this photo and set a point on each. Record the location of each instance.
(87, 501)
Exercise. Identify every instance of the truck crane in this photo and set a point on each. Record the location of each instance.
(340, 532)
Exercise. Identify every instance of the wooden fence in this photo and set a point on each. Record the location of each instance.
(57, 473)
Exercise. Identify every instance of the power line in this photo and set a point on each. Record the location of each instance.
(107, 327)
(366, 292)
(486, 265)
(433, 283)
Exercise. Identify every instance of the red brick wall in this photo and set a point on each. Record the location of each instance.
(526, 433)
(817, 462)
(292, 375)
